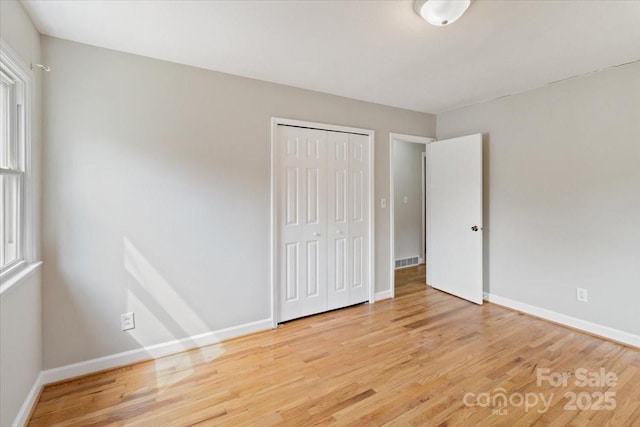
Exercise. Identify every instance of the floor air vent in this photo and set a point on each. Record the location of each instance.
(407, 262)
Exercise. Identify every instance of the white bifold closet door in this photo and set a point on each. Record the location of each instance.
(322, 220)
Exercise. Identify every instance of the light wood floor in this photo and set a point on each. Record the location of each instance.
(408, 361)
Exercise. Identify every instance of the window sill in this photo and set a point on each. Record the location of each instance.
(17, 277)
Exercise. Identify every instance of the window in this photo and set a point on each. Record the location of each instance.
(13, 164)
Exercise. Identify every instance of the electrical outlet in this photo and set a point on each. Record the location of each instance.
(582, 295)
(127, 321)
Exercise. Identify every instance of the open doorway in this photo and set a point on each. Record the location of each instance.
(407, 154)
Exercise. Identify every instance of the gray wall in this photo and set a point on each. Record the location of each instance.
(407, 181)
(157, 195)
(20, 327)
(562, 194)
(20, 343)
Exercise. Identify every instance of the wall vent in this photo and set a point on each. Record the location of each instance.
(407, 262)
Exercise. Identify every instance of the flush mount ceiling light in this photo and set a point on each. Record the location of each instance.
(441, 12)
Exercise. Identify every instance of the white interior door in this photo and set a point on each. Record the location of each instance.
(302, 222)
(454, 232)
(323, 220)
(348, 219)
(358, 209)
(338, 248)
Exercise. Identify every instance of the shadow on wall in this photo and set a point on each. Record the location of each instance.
(162, 315)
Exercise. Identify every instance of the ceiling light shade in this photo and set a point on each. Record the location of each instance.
(441, 12)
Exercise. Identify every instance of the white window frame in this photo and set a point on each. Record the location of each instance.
(16, 69)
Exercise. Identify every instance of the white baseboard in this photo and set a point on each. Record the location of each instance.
(151, 352)
(383, 295)
(25, 410)
(563, 319)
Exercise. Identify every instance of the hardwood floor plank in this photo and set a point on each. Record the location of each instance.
(413, 360)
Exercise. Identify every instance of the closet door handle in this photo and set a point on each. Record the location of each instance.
(315, 233)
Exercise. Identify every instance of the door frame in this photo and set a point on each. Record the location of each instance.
(423, 230)
(416, 140)
(275, 121)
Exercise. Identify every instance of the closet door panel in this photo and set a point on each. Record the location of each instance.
(302, 222)
(359, 220)
(338, 248)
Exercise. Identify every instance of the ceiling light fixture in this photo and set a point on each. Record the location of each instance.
(441, 12)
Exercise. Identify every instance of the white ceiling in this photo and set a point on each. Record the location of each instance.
(377, 51)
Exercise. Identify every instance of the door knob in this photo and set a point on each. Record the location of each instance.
(338, 232)
(476, 228)
(315, 233)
